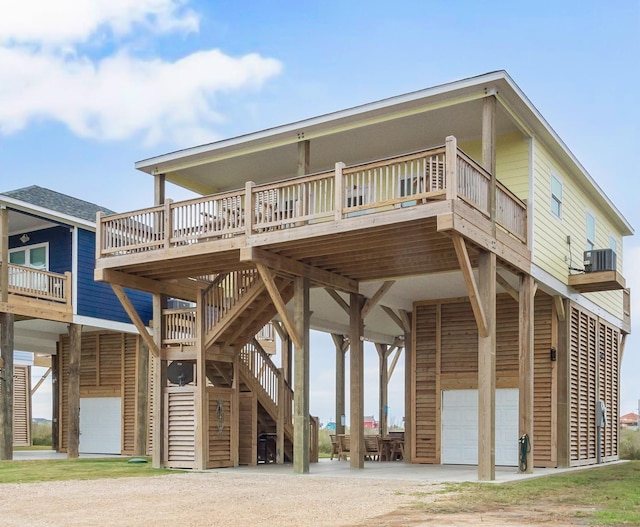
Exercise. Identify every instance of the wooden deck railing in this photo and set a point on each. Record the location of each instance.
(405, 181)
(38, 284)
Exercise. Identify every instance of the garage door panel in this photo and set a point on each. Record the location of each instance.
(100, 425)
(460, 427)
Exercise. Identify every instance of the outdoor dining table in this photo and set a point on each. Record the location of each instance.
(392, 448)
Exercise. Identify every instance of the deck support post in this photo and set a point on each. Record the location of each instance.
(489, 151)
(487, 369)
(202, 420)
(383, 360)
(142, 399)
(282, 414)
(341, 347)
(75, 351)
(6, 386)
(4, 254)
(159, 382)
(356, 375)
(409, 390)
(304, 158)
(158, 188)
(525, 370)
(301, 318)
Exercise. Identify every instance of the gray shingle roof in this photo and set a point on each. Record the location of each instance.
(50, 199)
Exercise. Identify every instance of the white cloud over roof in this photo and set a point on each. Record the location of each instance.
(113, 93)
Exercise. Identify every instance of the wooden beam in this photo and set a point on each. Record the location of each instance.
(6, 386)
(201, 407)
(135, 319)
(41, 380)
(383, 387)
(304, 157)
(394, 361)
(409, 394)
(339, 300)
(526, 363)
(470, 282)
(392, 315)
(489, 152)
(159, 368)
(451, 171)
(158, 189)
(559, 303)
(142, 399)
(356, 375)
(341, 345)
(279, 304)
(487, 369)
(184, 289)
(73, 386)
(405, 316)
(4, 254)
(377, 296)
(301, 376)
(291, 267)
(511, 291)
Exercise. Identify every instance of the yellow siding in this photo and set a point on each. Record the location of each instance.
(551, 251)
(512, 161)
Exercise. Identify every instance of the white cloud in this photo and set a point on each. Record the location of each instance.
(62, 22)
(119, 96)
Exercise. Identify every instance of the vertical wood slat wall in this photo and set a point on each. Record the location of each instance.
(21, 405)
(248, 434)
(107, 369)
(446, 358)
(594, 365)
(180, 433)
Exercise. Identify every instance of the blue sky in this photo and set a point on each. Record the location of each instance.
(87, 91)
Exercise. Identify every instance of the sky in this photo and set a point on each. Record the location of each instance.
(89, 88)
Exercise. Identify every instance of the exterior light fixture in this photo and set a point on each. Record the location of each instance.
(553, 354)
(24, 238)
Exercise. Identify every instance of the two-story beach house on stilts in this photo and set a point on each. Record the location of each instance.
(51, 307)
(451, 222)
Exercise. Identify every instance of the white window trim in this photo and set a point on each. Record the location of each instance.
(30, 248)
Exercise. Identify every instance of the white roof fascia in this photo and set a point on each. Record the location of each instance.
(269, 133)
(53, 215)
(557, 141)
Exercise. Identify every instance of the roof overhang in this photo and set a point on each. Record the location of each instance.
(416, 120)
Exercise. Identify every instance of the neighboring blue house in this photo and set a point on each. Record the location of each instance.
(49, 277)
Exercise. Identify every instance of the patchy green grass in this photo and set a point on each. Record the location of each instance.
(605, 495)
(64, 469)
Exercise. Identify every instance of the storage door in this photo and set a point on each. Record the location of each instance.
(100, 425)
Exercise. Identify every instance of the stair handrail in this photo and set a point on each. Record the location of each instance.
(223, 293)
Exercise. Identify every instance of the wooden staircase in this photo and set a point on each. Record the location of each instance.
(234, 308)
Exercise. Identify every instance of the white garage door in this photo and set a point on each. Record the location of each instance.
(460, 427)
(100, 425)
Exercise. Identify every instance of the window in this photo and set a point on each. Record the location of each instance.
(34, 257)
(613, 243)
(591, 232)
(556, 196)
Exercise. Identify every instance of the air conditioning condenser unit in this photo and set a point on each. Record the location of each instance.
(597, 260)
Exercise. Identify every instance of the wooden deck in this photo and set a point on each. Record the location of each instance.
(397, 213)
(33, 293)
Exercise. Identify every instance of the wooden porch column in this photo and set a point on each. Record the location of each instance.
(142, 398)
(383, 399)
(304, 150)
(301, 318)
(563, 431)
(487, 369)
(6, 346)
(202, 418)
(158, 189)
(159, 382)
(356, 367)
(489, 150)
(409, 394)
(75, 350)
(525, 370)
(341, 347)
(6, 386)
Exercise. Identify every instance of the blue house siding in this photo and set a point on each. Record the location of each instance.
(59, 239)
(97, 299)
